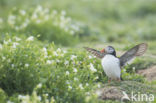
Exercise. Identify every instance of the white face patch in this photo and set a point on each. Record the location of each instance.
(109, 50)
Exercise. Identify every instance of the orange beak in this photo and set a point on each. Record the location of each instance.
(102, 51)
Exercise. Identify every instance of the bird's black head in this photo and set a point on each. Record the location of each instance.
(110, 50)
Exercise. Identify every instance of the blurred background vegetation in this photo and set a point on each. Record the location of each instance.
(100, 20)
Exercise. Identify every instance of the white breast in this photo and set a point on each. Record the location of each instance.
(111, 66)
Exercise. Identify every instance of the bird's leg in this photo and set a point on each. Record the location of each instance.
(109, 80)
(118, 79)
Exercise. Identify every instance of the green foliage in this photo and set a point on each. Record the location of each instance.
(43, 23)
(64, 75)
(140, 63)
(3, 96)
(20, 65)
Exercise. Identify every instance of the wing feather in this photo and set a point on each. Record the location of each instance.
(138, 50)
(96, 53)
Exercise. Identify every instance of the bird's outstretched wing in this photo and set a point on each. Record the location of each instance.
(96, 53)
(138, 50)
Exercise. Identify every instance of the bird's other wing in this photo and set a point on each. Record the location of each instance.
(96, 53)
(138, 50)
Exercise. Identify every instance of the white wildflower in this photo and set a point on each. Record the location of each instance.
(67, 82)
(49, 61)
(39, 85)
(38, 21)
(20, 96)
(27, 20)
(62, 25)
(58, 76)
(46, 10)
(73, 62)
(46, 17)
(55, 53)
(80, 86)
(75, 70)
(64, 51)
(23, 97)
(66, 62)
(39, 8)
(9, 101)
(74, 27)
(62, 55)
(31, 38)
(66, 29)
(76, 79)
(87, 84)
(46, 94)
(73, 57)
(57, 61)
(47, 101)
(90, 57)
(5, 42)
(68, 19)
(87, 93)
(98, 92)
(22, 12)
(96, 77)
(45, 51)
(62, 18)
(17, 38)
(24, 25)
(17, 28)
(26, 65)
(67, 73)
(124, 70)
(70, 87)
(9, 40)
(72, 32)
(63, 12)
(34, 16)
(133, 68)
(3, 58)
(39, 98)
(92, 68)
(53, 14)
(58, 50)
(98, 85)
(9, 60)
(11, 19)
(12, 65)
(15, 44)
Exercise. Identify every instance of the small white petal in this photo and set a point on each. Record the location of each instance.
(67, 73)
(31, 38)
(70, 87)
(39, 85)
(66, 62)
(92, 68)
(26, 65)
(75, 70)
(80, 86)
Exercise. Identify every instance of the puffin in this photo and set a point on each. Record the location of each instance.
(112, 64)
